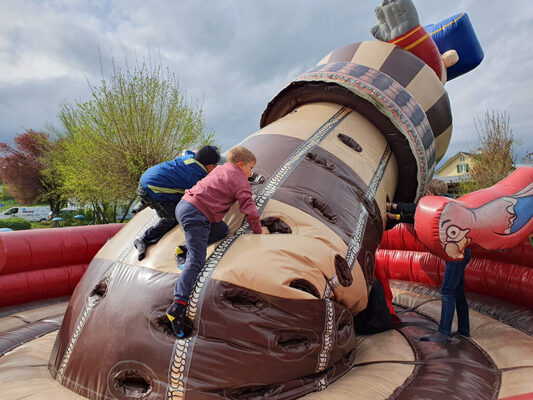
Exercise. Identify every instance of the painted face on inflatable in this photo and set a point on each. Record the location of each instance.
(454, 226)
(486, 225)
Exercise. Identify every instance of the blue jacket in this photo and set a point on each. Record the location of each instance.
(167, 181)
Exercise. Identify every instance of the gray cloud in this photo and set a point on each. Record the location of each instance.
(235, 56)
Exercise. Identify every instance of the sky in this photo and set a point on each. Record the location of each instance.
(236, 55)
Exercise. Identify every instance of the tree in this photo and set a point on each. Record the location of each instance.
(134, 120)
(494, 158)
(20, 167)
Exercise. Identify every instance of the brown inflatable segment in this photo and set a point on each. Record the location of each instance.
(245, 326)
(15, 337)
(406, 69)
(362, 155)
(383, 362)
(446, 371)
(507, 349)
(397, 116)
(442, 143)
(21, 318)
(115, 338)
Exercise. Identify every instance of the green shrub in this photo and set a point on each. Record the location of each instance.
(17, 224)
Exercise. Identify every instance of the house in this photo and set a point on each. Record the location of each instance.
(455, 170)
(456, 166)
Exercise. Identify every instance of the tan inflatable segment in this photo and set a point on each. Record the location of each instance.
(355, 125)
(425, 89)
(303, 122)
(159, 256)
(325, 60)
(516, 382)
(372, 54)
(306, 254)
(24, 373)
(366, 54)
(386, 346)
(22, 318)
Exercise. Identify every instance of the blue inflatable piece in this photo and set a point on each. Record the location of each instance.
(456, 33)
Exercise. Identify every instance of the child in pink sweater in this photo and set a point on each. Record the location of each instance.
(200, 214)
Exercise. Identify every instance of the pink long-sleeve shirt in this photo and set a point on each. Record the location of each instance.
(215, 194)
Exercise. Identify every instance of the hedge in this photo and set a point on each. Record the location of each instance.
(17, 224)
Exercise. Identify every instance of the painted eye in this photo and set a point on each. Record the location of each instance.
(453, 232)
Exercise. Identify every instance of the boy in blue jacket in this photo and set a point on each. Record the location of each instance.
(163, 185)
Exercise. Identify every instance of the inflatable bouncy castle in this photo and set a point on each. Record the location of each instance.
(272, 316)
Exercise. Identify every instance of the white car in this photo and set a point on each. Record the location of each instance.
(31, 214)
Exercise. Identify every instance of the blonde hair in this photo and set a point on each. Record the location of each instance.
(239, 153)
(437, 187)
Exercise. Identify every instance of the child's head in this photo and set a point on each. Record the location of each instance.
(242, 158)
(209, 156)
(437, 188)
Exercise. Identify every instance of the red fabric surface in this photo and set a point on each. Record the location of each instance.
(49, 248)
(47, 263)
(510, 282)
(420, 43)
(40, 284)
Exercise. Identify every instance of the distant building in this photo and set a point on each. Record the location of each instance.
(456, 167)
(455, 170)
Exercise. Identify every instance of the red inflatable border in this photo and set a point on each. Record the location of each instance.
(46, 263)
(507, 275)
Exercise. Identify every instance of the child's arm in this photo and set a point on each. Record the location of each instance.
(248, 208)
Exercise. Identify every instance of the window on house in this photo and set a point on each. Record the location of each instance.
(462, 158)
(462, 168)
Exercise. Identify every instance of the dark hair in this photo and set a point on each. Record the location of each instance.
(208, 155)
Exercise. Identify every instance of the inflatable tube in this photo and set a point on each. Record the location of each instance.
(40, 284)
(457, 33)
(46, 263)
(498, 217)
(49, 248)
(401, 257)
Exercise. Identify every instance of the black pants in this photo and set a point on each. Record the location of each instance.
(166, 211)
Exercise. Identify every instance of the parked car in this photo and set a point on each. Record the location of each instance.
(31, 214)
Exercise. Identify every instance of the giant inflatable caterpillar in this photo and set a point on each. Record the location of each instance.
(270, 316)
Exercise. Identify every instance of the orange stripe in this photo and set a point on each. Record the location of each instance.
(406, 35)
(448, 24)
(417, 42)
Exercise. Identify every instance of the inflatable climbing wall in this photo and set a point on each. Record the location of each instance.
(270, 315)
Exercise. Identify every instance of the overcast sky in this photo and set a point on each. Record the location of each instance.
(236, 55)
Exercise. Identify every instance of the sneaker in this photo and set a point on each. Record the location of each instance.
(181, 255)
(176, 315)
(141, 247)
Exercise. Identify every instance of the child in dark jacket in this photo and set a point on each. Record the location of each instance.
(405, 212)
(200, 214)
(162, 186)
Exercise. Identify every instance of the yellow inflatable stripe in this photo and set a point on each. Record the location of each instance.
(417, 42)
(457, 19)
(406, 36)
